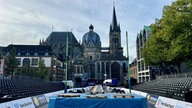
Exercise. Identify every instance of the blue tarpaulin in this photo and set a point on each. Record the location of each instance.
(83, 102)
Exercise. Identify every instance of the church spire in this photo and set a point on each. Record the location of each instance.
(115, 36)
(114, 20)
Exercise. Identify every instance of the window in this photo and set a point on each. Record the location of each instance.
(35, 54)
(139, 66)
(18, 61)
(34, 61)
(26, 62)
(54, 62)
(18, 54)
(90, 57)
(46, 54)
(27, 54)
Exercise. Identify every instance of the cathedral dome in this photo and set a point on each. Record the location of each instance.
(91, 36)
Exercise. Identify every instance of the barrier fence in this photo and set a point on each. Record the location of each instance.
(40, 100)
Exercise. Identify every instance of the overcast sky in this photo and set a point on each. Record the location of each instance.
(28, 21)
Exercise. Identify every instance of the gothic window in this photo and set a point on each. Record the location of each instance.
(115, 70)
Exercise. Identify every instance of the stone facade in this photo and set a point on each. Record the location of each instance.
(88, 59)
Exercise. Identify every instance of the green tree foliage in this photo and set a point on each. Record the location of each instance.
(11, 62)
(155, 49)
(43, 71)
(171, 36)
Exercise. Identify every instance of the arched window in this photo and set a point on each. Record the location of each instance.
(115, 70)
(26, 62)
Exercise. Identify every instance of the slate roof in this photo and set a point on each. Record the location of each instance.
(61, 37)
(22, 50)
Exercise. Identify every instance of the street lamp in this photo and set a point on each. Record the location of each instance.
(128, 71)
(105, 75)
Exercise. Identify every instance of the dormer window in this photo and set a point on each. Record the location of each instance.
(35, 54)
(27, 54)
(18, 54)
(46, 54)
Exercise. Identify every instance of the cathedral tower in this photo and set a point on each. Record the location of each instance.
(115, 36)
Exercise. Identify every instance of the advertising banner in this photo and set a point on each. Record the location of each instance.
(182, 104)
(23, 103)
(139, 93)
(164, 102)
(59, 92)
(39, 100)
(152, 99)
(48, 95)
(134, 91)
(6, 105)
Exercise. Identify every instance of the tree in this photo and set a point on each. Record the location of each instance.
(154, 50)
(171, 36)
(11, 62)
(177, 22)
(43, 71)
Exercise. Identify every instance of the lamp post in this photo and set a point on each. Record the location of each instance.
(66, 64)
(128, 71)
(105, 75)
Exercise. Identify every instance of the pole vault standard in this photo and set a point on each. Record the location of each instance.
(66, 64)
(128, 70)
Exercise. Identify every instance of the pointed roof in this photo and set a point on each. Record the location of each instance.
(114, 26)
(114, 19)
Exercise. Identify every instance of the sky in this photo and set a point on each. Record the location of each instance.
(25, 22)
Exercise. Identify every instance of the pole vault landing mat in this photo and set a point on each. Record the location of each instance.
(107, 100)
